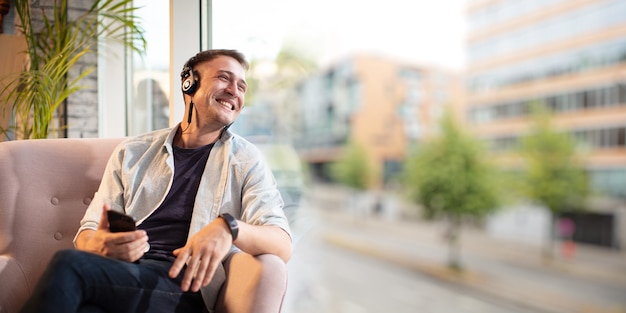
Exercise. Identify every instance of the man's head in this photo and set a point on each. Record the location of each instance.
(214, 86)
(188, 81)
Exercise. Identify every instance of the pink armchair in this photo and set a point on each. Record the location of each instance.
(45, 187)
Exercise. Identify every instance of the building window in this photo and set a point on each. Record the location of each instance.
(596, 98)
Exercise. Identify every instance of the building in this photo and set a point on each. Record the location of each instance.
(571, 56)
(380, 103)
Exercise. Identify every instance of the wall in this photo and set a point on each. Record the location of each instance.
(12, 62)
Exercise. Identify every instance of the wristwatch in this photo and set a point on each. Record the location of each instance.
(232, 224)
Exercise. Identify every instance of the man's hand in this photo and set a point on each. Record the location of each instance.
(125, 246)
(202, 254)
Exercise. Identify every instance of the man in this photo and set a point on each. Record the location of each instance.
(205, 205)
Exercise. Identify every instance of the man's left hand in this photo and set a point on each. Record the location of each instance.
(202, 254)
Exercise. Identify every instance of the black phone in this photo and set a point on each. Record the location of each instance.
(120, 222)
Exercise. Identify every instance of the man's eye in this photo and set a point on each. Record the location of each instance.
(223, 77)
(242, 88)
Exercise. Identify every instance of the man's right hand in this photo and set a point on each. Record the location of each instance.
(126, 246)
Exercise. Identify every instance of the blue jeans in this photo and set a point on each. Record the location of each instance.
(78, 281)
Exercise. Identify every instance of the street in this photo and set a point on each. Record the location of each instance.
(346, 260)
(326, 278)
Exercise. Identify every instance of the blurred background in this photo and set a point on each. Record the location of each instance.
(434, 156)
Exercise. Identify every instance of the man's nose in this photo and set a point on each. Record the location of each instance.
(232, 89)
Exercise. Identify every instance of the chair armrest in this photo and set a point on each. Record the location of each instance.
(253, 284)
(14, 287)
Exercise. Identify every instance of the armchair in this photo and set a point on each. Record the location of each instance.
(45, 187)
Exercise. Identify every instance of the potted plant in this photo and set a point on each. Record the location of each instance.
(54, 45)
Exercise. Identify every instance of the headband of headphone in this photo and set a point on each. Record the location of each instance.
(189, 84)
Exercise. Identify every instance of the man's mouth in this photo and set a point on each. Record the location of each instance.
(226, 104)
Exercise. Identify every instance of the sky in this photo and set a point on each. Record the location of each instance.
(417, 31)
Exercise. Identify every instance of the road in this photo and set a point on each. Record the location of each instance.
(327, 278)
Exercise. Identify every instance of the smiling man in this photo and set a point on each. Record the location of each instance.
(205, 204)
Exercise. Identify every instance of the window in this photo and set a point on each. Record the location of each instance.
(148, 105)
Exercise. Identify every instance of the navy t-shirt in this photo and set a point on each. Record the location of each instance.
(168, 225)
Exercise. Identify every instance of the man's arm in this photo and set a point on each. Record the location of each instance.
(266, 239)
(206, 249)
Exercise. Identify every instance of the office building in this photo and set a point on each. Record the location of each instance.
(571, 56)
(383, 104)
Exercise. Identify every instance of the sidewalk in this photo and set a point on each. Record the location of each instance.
(594, 280)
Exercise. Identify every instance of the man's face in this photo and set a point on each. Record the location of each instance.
(221, 92)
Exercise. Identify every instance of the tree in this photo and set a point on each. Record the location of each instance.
(354, 168)
(290, 66)
(273, 82)
(553, 175)
(449, 178)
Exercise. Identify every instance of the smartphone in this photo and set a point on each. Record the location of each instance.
(119, 222)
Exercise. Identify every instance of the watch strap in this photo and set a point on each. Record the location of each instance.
(232, 224)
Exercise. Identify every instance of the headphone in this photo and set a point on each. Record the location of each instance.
(189, 85)
(189, 81)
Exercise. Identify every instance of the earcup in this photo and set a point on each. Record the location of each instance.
(189, 84)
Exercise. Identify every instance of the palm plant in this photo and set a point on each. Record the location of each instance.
(53, 49)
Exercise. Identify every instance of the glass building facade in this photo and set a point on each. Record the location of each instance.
(569, 56)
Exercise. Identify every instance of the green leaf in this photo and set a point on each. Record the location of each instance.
(54, 48)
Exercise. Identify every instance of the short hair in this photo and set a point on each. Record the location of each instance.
(208, 55)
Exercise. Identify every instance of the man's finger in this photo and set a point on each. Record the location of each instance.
(104, 219)
(212, 267)
(200, 273)
(192, 269)
(181, 259)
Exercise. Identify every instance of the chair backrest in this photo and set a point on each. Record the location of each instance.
(45, 187)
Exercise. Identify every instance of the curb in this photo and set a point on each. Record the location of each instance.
(547, 302)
